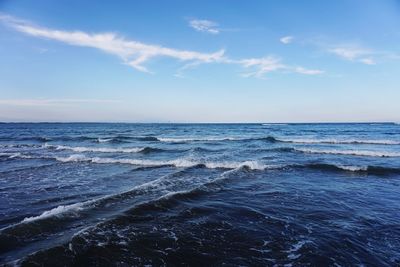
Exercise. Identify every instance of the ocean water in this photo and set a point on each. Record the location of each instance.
(200, 194)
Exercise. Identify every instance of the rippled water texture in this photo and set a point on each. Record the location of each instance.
(197, 194)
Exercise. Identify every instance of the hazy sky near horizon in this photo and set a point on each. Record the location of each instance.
(200, 61)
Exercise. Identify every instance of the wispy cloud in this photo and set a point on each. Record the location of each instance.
(136, 54)
(353, 53)
(350, 51)
(286, 39)
(302, 70)
(262, 66)
(203, 25)
(367, 61)
(132, 53)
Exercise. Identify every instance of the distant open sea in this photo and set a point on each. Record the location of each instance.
(92, 194)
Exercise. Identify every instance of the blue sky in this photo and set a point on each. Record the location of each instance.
(200, 61)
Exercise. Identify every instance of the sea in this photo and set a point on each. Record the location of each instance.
(265, 194)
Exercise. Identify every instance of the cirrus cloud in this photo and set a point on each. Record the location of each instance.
(136, 54)
(133, 53)
(203, 25)
(354, 53)
(268, 64)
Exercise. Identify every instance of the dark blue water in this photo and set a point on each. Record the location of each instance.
(197, 194)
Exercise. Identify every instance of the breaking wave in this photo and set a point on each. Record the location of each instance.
(366, 153)
(336, 141)
(98, 149)
(194, 139)
(76, 207)
(12, 155)
(273, 139)
(58, 211)
(62, 210)
(377, 170)
(180, 163)
(128, 139)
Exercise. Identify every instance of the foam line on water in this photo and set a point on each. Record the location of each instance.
(375, 170)
(366, 153)
(283, 140)
(184, 163)
(338, 141)
(62, 210)
(95, 149)
(58, 211)
(193, 139)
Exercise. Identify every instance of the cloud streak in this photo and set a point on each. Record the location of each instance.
(133, 53)
(286, 39)
(354, 53)
(137, 54)
(203, 25)
(262, 66)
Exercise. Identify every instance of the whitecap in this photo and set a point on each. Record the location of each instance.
(272, 124)
(10, 155)
(58, 211)
(194, 139)
(180, 163)
(95, 149)
(339, 141)
(352, 168)
(74, 209)
(366, 153)
(104, 140)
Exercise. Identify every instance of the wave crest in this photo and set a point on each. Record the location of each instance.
(366, 153)
(96, 149)
(180, 163)
(376, 170)
(58, 211)
(337, 141)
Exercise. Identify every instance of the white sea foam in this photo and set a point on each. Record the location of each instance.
(104, 140)
(287, 140)
(352, 168)
(18, 145)
(73, 209)
(62, 210)
(180, 163)
(254, 165)
(96, 149)
(339, 141)
(10, 155)
(367, 153)
(58, 211)
(73, 158)
(192, 139)
(295, 248)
